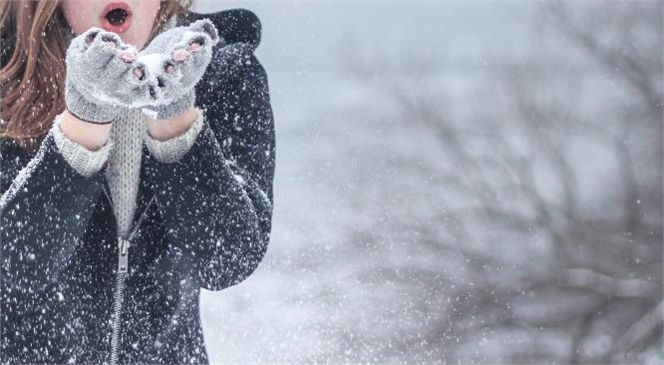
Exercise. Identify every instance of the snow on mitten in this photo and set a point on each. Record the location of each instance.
(103, 77)
(176, 60)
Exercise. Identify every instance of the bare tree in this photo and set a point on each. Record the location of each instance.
(543, 241)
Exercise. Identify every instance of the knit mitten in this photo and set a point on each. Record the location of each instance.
(104, 77)
(176, 60)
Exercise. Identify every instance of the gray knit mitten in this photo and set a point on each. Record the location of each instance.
(176, 60)
(104, 77)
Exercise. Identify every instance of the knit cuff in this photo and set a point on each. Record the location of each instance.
(84, 161)
(88, 111)
(173, 149)
(177, 107)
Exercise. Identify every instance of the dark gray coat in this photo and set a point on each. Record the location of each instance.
(202, 222)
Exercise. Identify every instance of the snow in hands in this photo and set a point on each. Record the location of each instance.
(112, 72)
(179, 57)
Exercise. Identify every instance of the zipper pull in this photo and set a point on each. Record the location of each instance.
(123, 255)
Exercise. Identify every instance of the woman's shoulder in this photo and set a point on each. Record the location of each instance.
(234, 67)
(235, 26)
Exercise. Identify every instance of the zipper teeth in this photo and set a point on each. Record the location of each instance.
(119, 299)
(140, 219)
(120, 284)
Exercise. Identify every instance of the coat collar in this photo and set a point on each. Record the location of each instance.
(235, 26)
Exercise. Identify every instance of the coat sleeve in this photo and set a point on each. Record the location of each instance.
(216, 200)
(44, 209)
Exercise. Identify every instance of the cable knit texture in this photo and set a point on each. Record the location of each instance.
(124, 165)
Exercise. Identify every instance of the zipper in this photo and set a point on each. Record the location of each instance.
(121, 277)
(117, 309)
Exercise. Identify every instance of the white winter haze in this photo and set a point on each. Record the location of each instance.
(456, 182)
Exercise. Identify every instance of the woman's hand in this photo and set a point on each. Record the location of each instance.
(176, 61)
(104, 77)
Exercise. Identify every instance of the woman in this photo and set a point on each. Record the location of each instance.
(114, 216)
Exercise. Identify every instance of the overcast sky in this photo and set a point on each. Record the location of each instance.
(301, 41)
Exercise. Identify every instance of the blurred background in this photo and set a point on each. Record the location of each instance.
(457, 182)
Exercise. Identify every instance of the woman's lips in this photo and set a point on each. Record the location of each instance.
(116, 28)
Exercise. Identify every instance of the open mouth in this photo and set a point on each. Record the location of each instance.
(116, 17)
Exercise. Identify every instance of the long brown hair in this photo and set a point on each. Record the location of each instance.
(33, 40)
